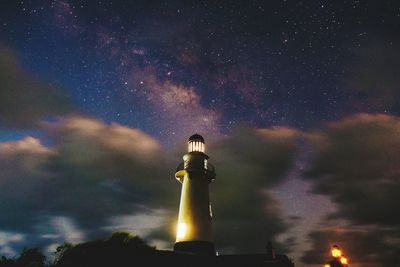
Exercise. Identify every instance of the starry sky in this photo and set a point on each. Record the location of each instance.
(298, 102)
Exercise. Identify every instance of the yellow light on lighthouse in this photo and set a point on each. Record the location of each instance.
(196, 144)
(343, 260)
(336, 252)
(182, 230)
(327, 265)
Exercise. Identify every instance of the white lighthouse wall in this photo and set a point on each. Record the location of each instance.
(194, 222)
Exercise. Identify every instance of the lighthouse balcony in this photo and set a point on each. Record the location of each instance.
(206, 168)
(193, 166)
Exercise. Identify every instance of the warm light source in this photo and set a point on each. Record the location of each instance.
(182, 229)
(196, 143)
(196, 146)
(327, 265)
(336, 252)
(343, 260)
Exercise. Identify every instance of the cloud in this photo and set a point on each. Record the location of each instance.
(8, 239)
(96, 174)
(356, 165)
(143, 224)
(22, 180)
(248, 164)
(24, 99)
(97, 177)
(66, 230)
(363, 247)
(92, 172)
(115, 169)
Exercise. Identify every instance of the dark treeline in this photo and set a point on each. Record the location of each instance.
(125, 250)
(121, 249)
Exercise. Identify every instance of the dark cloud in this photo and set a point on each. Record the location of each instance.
(92, 173)
(24, 99)
(375, 74)
(248, 164)
(22, 180)
(356, 165)
(99, 177)
(363, 247)
(113, 168)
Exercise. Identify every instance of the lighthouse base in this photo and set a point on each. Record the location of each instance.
(195, 247)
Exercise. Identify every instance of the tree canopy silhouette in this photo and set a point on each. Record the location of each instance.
(121, 249)
(125, 250)
(32, 257)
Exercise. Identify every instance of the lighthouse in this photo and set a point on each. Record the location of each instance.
(195, 173)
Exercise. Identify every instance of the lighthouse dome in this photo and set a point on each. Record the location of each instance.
(196, 143)
(196, 137)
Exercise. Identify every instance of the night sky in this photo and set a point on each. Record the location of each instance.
(299, 103)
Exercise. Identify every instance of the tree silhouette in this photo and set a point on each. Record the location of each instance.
(125, 250)
(121, 249)
(7, 262)
(32, 257)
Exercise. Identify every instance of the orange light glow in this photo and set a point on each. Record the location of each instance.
(327, 265)
(336, 252)
(343, 260)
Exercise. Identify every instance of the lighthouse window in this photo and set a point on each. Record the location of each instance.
(196, 146)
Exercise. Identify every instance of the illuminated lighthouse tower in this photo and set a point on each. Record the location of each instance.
(194, 234)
